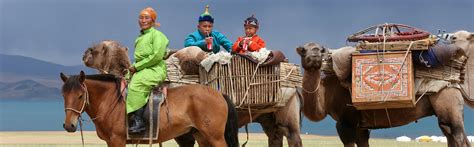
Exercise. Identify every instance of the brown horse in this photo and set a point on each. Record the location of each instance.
(285, 121)
(324, 95)
(99, 96)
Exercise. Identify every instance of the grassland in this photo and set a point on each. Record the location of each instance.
(63, 139)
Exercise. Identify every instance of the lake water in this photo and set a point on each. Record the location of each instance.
(49, 116)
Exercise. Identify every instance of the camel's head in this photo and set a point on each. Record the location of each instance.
(105, 53)
(464, 40)
(95, 56)
(311, 55)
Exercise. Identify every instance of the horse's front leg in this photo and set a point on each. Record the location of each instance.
(186, 140)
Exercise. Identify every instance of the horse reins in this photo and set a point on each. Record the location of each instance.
(85, 96)
(123, 84)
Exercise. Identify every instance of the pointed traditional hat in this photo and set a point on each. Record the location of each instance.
(206, 16)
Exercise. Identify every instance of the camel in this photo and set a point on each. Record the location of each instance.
(285, 121)
(107, 57)
(324, 95)
(464, 40)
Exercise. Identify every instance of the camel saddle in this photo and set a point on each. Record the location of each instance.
(274, 58)
(151, 114)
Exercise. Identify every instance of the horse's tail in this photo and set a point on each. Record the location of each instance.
(231, 127)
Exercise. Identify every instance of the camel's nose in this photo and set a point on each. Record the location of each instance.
(313, 58)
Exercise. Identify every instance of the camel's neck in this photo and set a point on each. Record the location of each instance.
(314, 107)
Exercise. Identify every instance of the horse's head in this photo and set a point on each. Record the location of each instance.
(464, 40)
(103, 55)
(75, 98)
(311, 55)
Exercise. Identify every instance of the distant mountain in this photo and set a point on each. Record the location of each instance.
(28, 90)
(20, 65)
(14, 68)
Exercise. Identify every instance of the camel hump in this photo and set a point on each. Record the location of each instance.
(342, 61)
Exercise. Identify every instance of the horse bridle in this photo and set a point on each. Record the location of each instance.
(85, 97)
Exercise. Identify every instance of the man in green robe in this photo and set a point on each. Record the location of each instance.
(148, 70)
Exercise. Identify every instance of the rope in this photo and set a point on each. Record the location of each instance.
(388, 116)
(150, 117)
(401, 67)
(317, 87)
(274, 81)
(248, 87)
(115, 105)
(80, 127)
(247, 132)
(247, 100)
(85, 96)
(421, 96)
(380, 60)
(463, 92)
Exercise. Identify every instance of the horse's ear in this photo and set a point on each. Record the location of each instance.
(300, 50)
(63, 77)
(82, 76)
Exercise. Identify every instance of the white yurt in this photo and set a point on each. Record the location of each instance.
(470, 138)
(423, 139)
(443, 139)
(436, 138)
(403, 139)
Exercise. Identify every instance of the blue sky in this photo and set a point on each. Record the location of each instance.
(60, 30)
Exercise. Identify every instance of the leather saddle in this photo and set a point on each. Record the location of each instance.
(151, 114)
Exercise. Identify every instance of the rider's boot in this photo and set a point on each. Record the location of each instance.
(138, 123)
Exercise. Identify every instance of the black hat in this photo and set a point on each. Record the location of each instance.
(251, 21)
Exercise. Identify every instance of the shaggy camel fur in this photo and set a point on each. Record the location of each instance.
(108, 57)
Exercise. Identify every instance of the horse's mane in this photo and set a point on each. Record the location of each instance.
(103, 77)
(73, 82)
